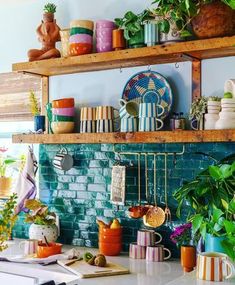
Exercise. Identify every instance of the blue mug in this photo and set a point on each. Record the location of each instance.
(39, 123)
(150, 110)
(129, 125)
(150, 124)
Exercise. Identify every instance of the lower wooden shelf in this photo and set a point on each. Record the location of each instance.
(138, 137)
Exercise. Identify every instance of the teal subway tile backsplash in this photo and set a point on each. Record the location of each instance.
(82, 194)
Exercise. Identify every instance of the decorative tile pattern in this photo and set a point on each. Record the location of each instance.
(82, 194)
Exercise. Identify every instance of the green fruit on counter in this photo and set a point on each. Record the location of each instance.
(91, 261)
(228, 95)
(87, 256)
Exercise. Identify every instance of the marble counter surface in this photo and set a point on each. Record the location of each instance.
(141, 272)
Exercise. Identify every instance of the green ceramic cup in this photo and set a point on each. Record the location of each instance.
(75, 31)
(57, 118)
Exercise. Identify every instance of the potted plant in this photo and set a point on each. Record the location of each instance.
(210, 197)
(49, 11)
(133, 27)
(196, 113)
(182, 237)
(7, 221)
(5, 181)
(43, 222)
(208, 18)
(39, 120)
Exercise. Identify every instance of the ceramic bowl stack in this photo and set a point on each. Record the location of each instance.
(227, 114)
(62, 116)
(104, 31)
(81, 37)
(212, 116)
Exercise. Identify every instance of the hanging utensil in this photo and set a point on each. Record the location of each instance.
(155, 216)
(167, 209)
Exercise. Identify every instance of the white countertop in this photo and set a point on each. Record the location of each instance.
(142, 272)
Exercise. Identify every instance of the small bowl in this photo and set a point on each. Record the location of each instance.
(79, 49)
(57, 118)
(69, 112)
(62, 127)
(44, 251)
(81, 39)
(81, 31)
(63, 103)
(87, 24)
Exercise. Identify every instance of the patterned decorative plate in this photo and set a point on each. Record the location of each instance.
(149, 86)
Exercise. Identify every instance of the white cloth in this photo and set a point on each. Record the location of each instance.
(25, 187)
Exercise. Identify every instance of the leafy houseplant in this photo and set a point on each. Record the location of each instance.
(197, 111)
(43, 222)
(210, 197)
(39, 120)
(7, 221)
(49, 11)
(132, 24)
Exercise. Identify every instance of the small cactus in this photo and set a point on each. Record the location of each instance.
(50, 8)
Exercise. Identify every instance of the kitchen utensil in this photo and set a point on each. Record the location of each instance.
(167, 209)
(137, 251)
(63, 160)
(155, 216)
(157, 253)
(154, 86)
(29, 246)
(213, 266)
(148, 238)
(84, 270)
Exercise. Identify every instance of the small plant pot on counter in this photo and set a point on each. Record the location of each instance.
(39, 123)
(38, 232)
(188, 258)
(137, 40)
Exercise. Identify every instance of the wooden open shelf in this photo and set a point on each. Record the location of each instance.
(165, 53)
(138, 137)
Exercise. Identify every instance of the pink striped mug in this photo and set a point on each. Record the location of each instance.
(137, 251)
(157, 253)
(148, 238)
(29, 246)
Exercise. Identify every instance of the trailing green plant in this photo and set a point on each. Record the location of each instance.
(7, 220)
(34, 104)
(180, 12)
(198, 108)
(50, 8)
(39, 213)
(214, 98)
(133, 23)
(211, 203)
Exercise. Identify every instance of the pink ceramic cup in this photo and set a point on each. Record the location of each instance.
(69, 112)
(137, 251)
(101, 41)
(81, 38)
(105, 24)
(104, 47)
(104, 33)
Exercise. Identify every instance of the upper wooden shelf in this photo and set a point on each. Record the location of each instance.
(165, 53)
(138, 137)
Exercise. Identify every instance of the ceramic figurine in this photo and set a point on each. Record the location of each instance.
(48, 34)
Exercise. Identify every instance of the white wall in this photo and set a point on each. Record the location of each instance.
(19, 19)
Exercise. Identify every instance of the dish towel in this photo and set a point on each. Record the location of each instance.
(25, 187)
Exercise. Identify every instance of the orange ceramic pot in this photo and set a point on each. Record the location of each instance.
(44, 251)
(118, 39)
(110, 241)
(111, 232)
(110, 249)
(79, 48)
(188, 258)
(63, 103)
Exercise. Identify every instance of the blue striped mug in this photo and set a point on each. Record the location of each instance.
(149, 124)
(128, 109)
(104, 126)
(129, 125)
(87, 126)
(148, 110)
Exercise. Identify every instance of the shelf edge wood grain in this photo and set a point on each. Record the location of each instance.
(125, 138)
(164, 53)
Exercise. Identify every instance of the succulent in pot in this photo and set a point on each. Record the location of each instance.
(39, 120)
(49, 11)
(43, 222)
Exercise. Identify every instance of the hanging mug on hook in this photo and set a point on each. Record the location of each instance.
(63, 160)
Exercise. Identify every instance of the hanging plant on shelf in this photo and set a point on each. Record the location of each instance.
(197, 111)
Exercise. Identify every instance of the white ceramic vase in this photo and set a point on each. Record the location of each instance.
(226, 121)
(210, 121)
(39, 231)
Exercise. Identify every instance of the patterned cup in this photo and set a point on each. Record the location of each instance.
(137, 251)
(148, 110)
(87, 24)
(87, 126)
(149, 124)
(104, 113)
(79, 39)
(148, 238)
(129, 125)
(88, 114)
(128, 109)
(29, 246)
(104, 126)
(157, 253)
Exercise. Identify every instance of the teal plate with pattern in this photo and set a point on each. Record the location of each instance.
(149, 87)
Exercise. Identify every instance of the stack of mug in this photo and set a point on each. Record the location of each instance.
(64, 35)
(212, 116)
(149, 117)
(104, 119)
(81, 37)
(129, 116)
(148, 248)
(104, 30)
(88, 120)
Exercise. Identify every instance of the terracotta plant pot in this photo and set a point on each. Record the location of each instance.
(118, 39)
(188, 258)
(5, 186)
(48, 17)
(215, 19)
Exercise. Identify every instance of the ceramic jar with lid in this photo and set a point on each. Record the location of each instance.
(227, 115)
(213, 109)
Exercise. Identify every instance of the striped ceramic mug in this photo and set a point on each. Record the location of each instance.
(214, 266)
(129, 125)
(148, 110)
(148, 238)
(88, 114)
(104, 113)
(128, 109)
(104, 126)
(87, 127)
(150, 124)
(157, 253)
(63, 160)
(137, 251)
